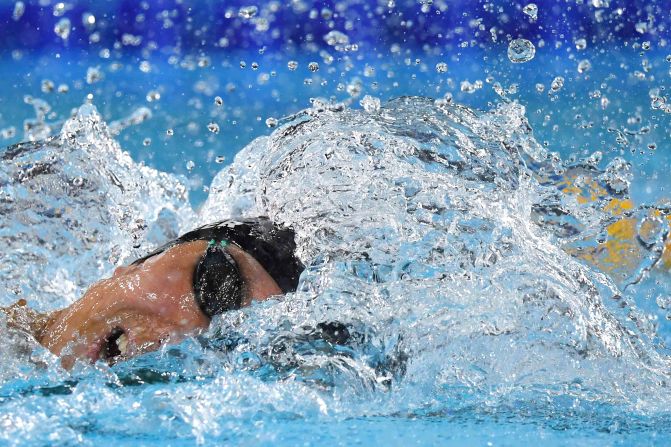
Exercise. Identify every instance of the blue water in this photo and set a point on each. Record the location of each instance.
(451, 352)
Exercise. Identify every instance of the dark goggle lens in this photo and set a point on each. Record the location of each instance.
(217, 283)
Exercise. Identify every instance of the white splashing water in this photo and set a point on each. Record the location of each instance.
(431, 285)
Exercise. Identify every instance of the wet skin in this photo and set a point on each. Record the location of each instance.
(143, 306)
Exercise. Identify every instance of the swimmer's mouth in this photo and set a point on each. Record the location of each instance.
(115, 346)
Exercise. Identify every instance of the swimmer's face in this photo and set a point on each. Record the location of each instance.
(144, 306)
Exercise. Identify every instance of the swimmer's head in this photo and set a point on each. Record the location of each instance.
(175, 291)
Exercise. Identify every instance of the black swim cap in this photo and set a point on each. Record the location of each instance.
(217, 282)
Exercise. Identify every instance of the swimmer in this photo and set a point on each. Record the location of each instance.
(169, 294)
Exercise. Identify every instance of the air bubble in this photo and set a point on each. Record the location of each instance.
(520, 51)
(645, 45)
(218, 101)
(271, 122)
(63, 88)
(146, 141)
(190, 165)
(77, 181)
(170, 132)
(292, 65)
(313, 66)
(580, 44)
(220, 159)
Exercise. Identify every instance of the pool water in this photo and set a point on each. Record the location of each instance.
(491, 236)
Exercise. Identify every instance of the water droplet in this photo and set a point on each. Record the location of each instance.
(370, 104)
(664, 302)
(557, 84)
(520, 51)
(93, 75)
(213, 127)
(313, 66)
(531, 10)
(218, 101)
(170, 132)
(153, 95)
(292, 65)
(146, 141)
(47, 86)
(657, 102)
(8, 132)
(271, 122)
(584, 66)
(354, 88)
(19, 9)
(62, 28)
(651, 231)
(336, 38)
(617, 176)
(60, 8)
(468, 87)
(441, 67)
(247, 12)
(641, 27)
(88, 20)
(604, 102)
